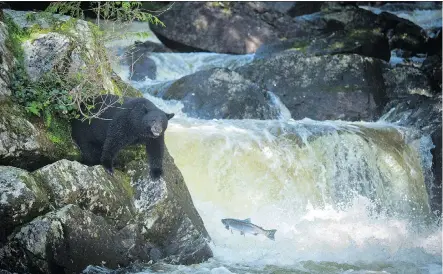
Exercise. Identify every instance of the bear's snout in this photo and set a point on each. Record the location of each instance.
(156, 129)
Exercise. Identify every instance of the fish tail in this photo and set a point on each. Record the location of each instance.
(271, 233)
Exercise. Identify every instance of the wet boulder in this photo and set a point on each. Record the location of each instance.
(403, 34)
(220, 94)
(330, 87)
(370, 43)
(404, 80)
(425, 115)
(432, 67)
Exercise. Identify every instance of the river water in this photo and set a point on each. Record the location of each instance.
(344, 197)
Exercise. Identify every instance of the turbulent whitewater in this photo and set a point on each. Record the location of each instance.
(345, 197)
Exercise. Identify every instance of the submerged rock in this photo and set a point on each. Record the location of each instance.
(219, 94)
(425, 115)
(331, 87)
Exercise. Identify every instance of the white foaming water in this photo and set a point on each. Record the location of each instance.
(344, 197)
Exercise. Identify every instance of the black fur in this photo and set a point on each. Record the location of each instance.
(121, 125)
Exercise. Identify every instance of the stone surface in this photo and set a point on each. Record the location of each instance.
(370, 43)
(404, 80)
(21, 199)
(69, 182)
(167, 213)
(66, 241)
(331, 87)
(220, 94)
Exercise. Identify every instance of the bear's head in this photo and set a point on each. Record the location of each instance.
(155, 123)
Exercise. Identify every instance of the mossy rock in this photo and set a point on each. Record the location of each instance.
(31, 145)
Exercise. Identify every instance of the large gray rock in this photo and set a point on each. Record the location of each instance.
(65, 45)
(69, 182)
(167, 213)
(32, 145)
(26, 145)
(213, 26)
(405, 80)
(6, 63)
(220, 94)
(68, 240)
(44, 53)
(370, 43)
(330, 87)
(97, 218)
(21, 199)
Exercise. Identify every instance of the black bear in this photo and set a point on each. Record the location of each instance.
(135, 121)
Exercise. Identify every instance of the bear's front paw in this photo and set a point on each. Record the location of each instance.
(155, 173)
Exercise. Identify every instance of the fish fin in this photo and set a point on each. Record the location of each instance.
(248, 220)
(227, 227)
(271, 233)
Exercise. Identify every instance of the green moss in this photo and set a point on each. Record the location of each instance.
(125, 180)
(300, 46)
(59, 133)
(123, 89)
(337, 45)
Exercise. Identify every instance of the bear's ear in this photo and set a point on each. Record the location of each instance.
(170, 115)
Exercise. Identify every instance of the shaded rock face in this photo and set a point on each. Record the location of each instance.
(432, 67)
(242, 27)
(220, 94)
(345, 87)
(66, 241)
(97, 219)
(21, 199)
(209, 27)
(6, 63)
(370, 43)
(23, 144)
(405, 80)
